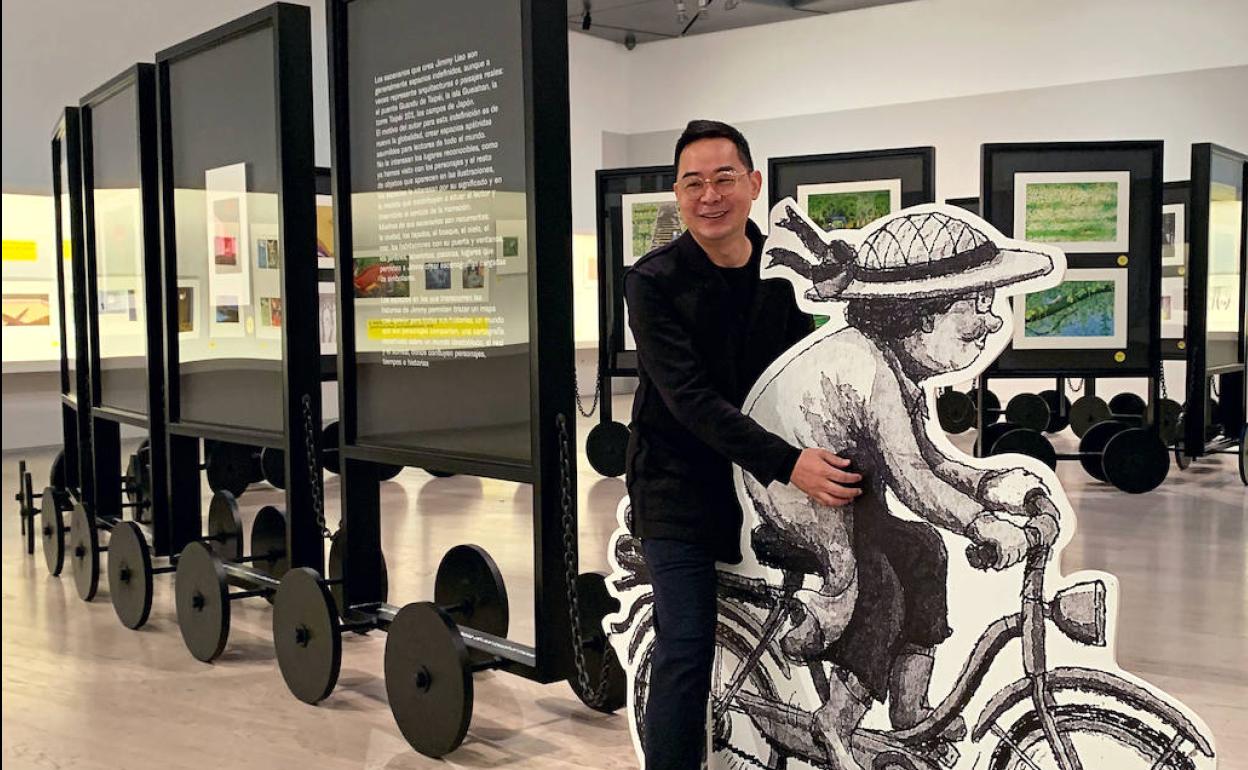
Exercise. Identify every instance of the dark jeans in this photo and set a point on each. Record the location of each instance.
(902, 596)
(683, 579)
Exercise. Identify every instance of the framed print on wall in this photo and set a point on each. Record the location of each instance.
(1080, 212)
(849, 205)
(1087, 310)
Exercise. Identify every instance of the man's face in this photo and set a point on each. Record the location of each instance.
(712, 215)
(958, 335)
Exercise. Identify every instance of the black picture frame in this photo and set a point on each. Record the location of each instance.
(299, 438)
(1177, 193)
(106, 418)
(66, 146)
(914, 166)
(1143, 161)
(614, 358)
(548, 166)
(1213, 163)
(970, 203)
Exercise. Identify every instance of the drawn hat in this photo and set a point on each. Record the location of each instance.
(918, 255)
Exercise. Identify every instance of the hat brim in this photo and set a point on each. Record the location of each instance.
(1009, 266)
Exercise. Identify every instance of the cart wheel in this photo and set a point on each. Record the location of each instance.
(428, 679)
(1059, 413)
(130, 575)
(334, 573)
(1181, 459)
(57, 477)
(595, 603)
(956, 411)
(993, 433)
(329, 448)
(52, 529)
(1169, 413)
(1086, 412)
(307, 636)
(84, 548)
(385, 471)
(273, 465)
(1135, 460)
(606, 447)
(1028, 410)
(439, 474)
(203, 602)
(469, 588)
(1028, 442)
(230, 468)
(992, 404)
(1092, 446)
(268, 543)
(225, 527)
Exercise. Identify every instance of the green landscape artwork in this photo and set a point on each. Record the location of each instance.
(848, 210)
(655, 224)
(1071, 309)
(1072, 212)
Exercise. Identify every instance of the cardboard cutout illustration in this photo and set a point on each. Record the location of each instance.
(926, 624)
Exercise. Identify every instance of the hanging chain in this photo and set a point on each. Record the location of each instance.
(309, 435)
(595, 697)
(1161, 380)
(576, 390)
(1073, 389)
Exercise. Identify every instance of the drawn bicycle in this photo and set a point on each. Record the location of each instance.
(1107, 721)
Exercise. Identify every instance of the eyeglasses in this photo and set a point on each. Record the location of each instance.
(984, 299)
(723, 182)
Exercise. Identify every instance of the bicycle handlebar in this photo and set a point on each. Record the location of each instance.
(1041, 532)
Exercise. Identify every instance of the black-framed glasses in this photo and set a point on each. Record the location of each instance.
(723, 182)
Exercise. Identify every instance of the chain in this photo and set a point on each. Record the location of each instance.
(1073, 389)
(595, 697)
(309, 434)
(1161, 380)
(576, 390)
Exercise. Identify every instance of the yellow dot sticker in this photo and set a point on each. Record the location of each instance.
(1182, 271)
(1120, 356)
(1182, 345)
(1122, 260)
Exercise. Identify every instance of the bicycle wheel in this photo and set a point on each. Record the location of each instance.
(1102, 737)
(731, 648)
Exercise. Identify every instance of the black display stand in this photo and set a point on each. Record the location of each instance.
(914, 166)
(207, 74)
(608, 441)
(1212, 355)
(971, 204)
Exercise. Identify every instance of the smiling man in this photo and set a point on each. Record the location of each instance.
(706, 327)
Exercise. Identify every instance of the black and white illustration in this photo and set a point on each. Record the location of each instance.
(927, 624)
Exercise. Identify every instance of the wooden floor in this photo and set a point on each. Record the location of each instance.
(80, 691)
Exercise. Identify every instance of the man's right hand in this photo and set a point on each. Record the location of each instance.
(822, 475)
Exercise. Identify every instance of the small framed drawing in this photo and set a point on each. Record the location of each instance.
(1080, 212)
(511, 250)
(1086, 311)
(849, 205)
(1173, 308)
(1173, 236)
(190, 323)
(651, 220)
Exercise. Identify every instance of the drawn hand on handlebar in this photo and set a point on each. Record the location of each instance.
(1002, 543)
(1009, 489)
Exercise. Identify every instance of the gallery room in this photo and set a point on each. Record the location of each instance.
(840, 384)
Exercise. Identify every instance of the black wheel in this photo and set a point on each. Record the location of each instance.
(58, 477)
(130, 574)
(1128, 404)
(439, 474)
(385, 471)
(1086, 412)
(329, 448)
(203, 602)
(992, 404)
(956, 411)
(1025, 441)
(83, 547)
(1181, 459)
(268, 542)
(1059, 411)
(428, 679)
(306, 636)
(994, 432)
(605, 687)
(469, 588)
(1169, 421)
(273, 465)
(230, 468)
(52, 530)
(606, 447)
(225, 527)
(1028, 410)
(1135, 460)
(334, 567)
(1114, 739)
(1092, 446)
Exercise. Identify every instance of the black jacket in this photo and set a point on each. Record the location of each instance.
(697, 358)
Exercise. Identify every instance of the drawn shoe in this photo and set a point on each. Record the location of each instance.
(907, 693)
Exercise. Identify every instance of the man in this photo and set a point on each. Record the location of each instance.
(706, 326)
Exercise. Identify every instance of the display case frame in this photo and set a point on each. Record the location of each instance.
(914, 166)
(1177, 193)
(1200, 373)
(301, 364)
(551, 370)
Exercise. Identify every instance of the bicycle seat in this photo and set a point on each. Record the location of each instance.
(776, 549)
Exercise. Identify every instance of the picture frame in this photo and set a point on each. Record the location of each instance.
(1173, 235)
(1173, 307)
(1079, 212)
(648, 223)
(189, 316)
(228, 232)
(1087, 311)
(511, 249)
(850, 205)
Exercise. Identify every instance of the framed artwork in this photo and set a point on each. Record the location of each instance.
(849, 205)
(269, 318)
(189, 322)
(1173, 308)
(31, 330)
(378, 277)
(651, 220)
(1087, 310)
(511, 250)
(325, 232)
(328, 320)
(1173, 235)
(1084, 212)
(24, 309)
(117, 304)
(226, 316)
(228, 231)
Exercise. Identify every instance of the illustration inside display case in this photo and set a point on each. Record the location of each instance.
(893, 632)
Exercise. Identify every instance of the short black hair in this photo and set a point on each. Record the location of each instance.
(713, 129)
